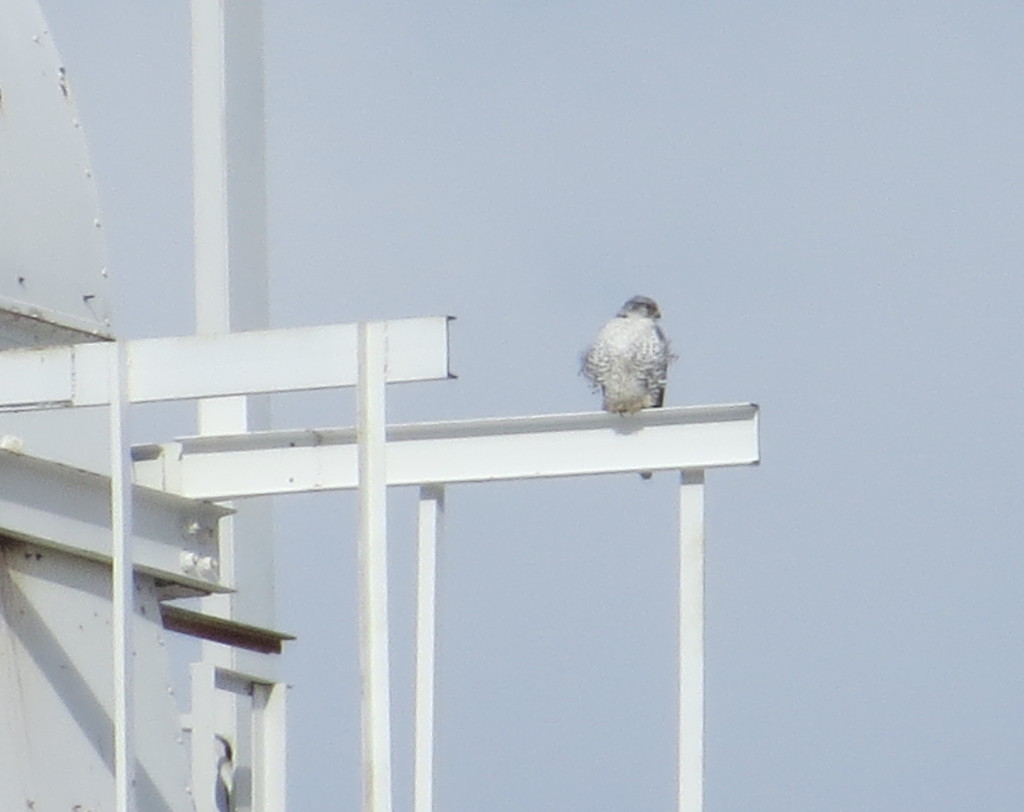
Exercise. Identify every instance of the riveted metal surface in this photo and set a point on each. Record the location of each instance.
(53, 283)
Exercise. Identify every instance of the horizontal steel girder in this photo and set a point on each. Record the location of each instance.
(217, 365)
(275, 462)
(65, 508)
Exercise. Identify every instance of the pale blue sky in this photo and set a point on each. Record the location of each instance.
(826, 199)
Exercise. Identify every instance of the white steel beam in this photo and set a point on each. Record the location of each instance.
(55, 505)
(431, 523)
(691, 642)
(214, 366)
(373, 571)
(461, 451)
(122, 587)
(269, 762)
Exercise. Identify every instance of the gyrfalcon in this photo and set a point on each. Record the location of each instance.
(629, 359)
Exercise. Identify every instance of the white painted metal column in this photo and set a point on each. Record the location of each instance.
(228, 144)
(691, 641)
(230, 245)
(431, 526)
(269, 784)
(231, 291)
(122, 581)
(203, 726)
(373, 568)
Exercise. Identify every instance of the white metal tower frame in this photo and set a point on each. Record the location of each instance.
(231, 280)
(374, 456)
(117, 374)
(235, 458)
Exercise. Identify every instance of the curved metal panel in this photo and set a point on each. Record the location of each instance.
(53, 282)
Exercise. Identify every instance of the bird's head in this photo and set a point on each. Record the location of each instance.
(640, 307)
(224, 748)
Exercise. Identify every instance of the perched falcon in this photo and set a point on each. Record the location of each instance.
(629, 359)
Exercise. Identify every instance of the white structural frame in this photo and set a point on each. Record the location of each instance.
(690, 753)
(116, 374)
(221, 367)
(490, 449)
(433, 455)
(373, 457)
(231, 294)
(170, 535)
(269, 733)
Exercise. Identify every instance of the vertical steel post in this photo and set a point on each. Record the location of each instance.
(229, 174)
(270, 756)
(122, 580)
(431, 522)
(231, 281)
(373, 569)
(231, 293)
(691, 641)
(203, 726)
